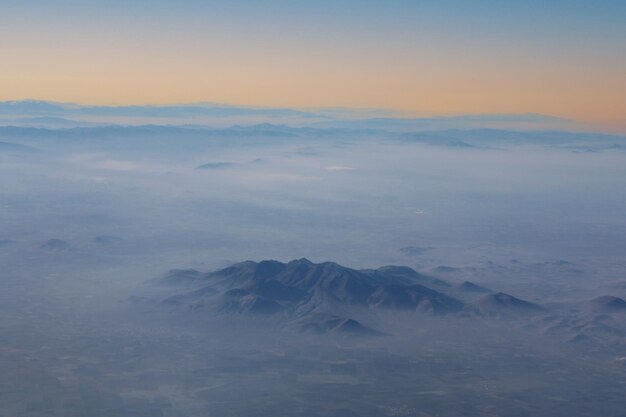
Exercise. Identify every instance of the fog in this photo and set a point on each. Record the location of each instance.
(93, 217)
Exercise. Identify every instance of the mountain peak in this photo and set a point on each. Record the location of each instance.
(505, 303)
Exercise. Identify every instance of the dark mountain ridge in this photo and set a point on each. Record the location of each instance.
(329, 298)
(301, 290)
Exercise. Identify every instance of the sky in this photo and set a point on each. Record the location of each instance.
(561, 58)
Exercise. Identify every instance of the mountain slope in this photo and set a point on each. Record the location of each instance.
(308, 292)
(609, 303)
(503, 304)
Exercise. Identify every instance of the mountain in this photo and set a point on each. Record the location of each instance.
(51, 108)
(180, 277)
(306, 294)
(468, 286)
(501, 303)
(301, 281)
(583, 327)
(328, 298)
(59, 115)
(346, 118)
(609, 303)
(55, 244)
(320, 323)
(435, 123)
(107, 239)
(217, 165)
(47, 122)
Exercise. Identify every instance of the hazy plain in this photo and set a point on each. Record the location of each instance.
(88, 215)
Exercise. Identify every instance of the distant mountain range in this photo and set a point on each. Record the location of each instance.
(327, 297)
(51, 108)
(167, 137)
(50, 114)
(43, 126)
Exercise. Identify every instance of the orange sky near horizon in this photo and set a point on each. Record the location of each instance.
(417, 73)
